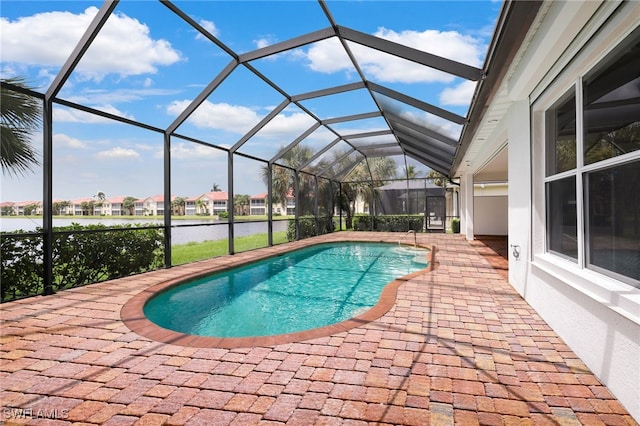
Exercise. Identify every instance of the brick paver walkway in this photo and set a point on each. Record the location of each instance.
(458, 347)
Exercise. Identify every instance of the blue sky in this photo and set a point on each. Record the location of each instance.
(148, 65)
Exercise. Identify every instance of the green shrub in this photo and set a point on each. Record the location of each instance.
(81, 255)
(21, 269)
(455, 225)
(388, 223)
(307, 226)
(361, 222)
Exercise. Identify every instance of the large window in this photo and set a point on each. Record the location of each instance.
(562, 224)
(593, 169)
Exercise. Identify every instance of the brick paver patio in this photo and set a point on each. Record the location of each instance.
(459, 346)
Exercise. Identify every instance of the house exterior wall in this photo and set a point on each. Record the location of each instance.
(490, 215)
(490, 209)
(596, 315)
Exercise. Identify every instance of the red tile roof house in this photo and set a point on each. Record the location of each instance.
(22, 206)
(113, 206)
(208, 204)
(151, 206)
(76, 208)
(258, 204)
(7, 208)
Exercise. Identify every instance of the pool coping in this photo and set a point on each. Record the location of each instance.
(132, 312)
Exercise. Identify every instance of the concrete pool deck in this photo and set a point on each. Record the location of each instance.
(458, 346)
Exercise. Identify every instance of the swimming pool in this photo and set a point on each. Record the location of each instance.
(305, 289)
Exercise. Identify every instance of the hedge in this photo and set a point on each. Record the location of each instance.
(307, 225)
(388, 223)
(81, 255)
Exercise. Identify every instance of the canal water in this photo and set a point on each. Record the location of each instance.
(183, 231)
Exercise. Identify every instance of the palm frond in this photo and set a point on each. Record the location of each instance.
(20, 116)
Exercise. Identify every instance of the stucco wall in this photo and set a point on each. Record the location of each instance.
(490, 215)
(598, 317)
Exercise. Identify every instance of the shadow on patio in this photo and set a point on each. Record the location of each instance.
(459, 346)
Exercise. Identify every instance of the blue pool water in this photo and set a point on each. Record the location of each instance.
(301, 290)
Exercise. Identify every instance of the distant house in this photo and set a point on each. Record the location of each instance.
(28, 208)
(7, 208)
(114, 206)
(207, 204)
(78, 207)
(151, 206)
(258, 204)
(61, 207)
(190, 206)
(290, 208)
(138, 209)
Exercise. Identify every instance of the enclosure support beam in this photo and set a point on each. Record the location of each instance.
(60, 79)
(295, 142)
(230, 204)
(431, 109)
(260, 125)
(202, 96)
(318, 154)
(437, 62)
(269, 204)
(315, 204)
(288, 44)
(167, 200)
(296, 189)
(47, 207)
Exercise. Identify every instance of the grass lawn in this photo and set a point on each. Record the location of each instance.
(192, 252)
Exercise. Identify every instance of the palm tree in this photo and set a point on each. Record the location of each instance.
(59, 206)
(412, 172)
(201, 208)
(20, 117)
(282, 178)
(282, 183)
(87, 207)
(129, 204)
(177, 206)
(215, 187)
(240, 203)
(30, 209)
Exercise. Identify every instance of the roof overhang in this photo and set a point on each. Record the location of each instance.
(514, 22)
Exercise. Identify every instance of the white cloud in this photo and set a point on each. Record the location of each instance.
(69, 115)
(264, 42)
(329, 57)
(447, 44)
(62, 140)
(240, 119)
(117, 153)
(185, 151)
(232, 118)
(459, 95)
(115, 96)
(209, 26)
(123, 47)
(287, 127)
(260, 43)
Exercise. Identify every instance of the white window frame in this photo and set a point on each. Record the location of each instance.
(616, 294)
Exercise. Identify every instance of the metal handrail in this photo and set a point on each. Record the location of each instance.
(415, 240)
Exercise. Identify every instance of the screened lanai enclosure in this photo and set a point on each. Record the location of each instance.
(297, 120)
